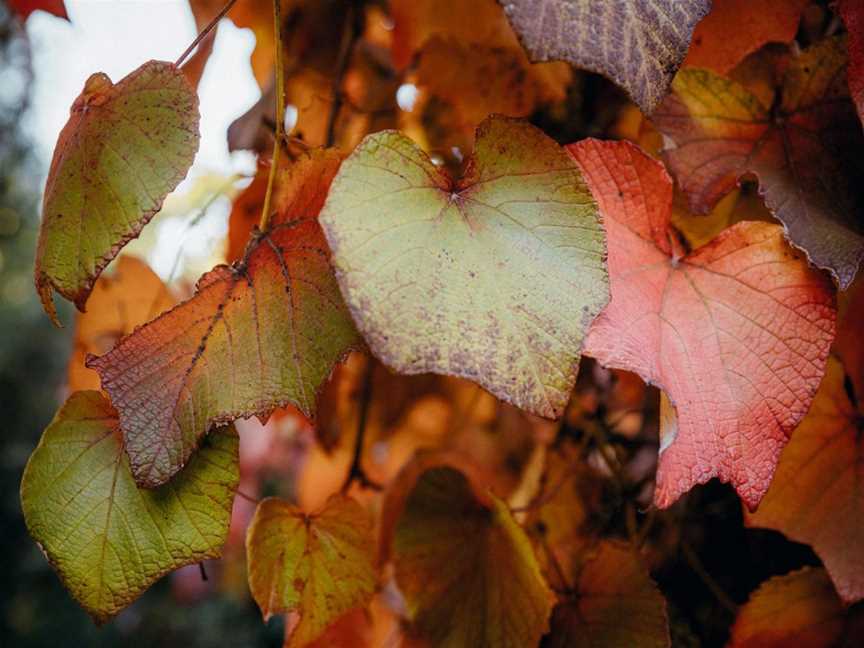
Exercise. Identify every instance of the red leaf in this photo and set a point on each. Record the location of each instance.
(736, 333)
(25, 7)
(852, 12)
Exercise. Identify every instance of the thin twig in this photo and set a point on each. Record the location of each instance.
(203, 572)
(280, 115)
(349, 37)
(543, 498)
(355, 471)
(248, 498)
(713, 586)
(204, 33)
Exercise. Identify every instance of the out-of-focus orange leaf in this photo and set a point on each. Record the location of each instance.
(465, 567)
(816, 496)
(852, 12)
(735, 28)
(615, 604)
(259, 334)
(804, 150)
(318, 565)
(194, 66)
(121, 301)
(719, 330)
(245, 215)
(800, 609)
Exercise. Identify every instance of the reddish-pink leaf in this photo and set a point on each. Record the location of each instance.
(25, 7)
(736, 333)
(852, 12)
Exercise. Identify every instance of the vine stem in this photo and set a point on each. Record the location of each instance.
(355, 471)
(349, 38)
(264, 224)
(204, 33)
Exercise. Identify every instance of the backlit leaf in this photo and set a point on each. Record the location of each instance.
(25, 7)
(493, 277)
(736, 28)
(805, 151)
(319, 566)
(639, 44)
(124, 148)
(261, 333)
(107, 539)
(465, 567)
(128, 297)
(736, 333)
(816, 496)
(615, 604)
(799, 609)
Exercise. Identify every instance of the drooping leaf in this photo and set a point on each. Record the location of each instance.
(639, 44)
(816, 496)
(852, 13)
(107, 539)
(465, 567)
(25, 7)
(736, 333)
(804, 150)
(125, 147)
(319, 566)
(735, 28)
(261, 333)
(494, 277)
(129, 297)
(615, 604)
(799, 609)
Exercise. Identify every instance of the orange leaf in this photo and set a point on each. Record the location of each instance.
(245, 214)
(262, 333)
(816, 496)
(804, 148)
(799, 609)
(736, 28)
(130, 296)
(852, 12)
(736, 333)
(616, 604)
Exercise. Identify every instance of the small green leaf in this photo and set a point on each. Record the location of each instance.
(125, 147)
(494, 277)
(107, 539)
(466, 568)
(319, 566)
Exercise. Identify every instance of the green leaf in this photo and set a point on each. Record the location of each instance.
(466, 568)
(107, 539)
(639, 44)
(319, 565)
(124, 148)
(494, 277)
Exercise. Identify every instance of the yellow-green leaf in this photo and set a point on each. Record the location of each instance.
(125, 147)
(466, 568)
(494, 277)
(319, 566)
(108, 539)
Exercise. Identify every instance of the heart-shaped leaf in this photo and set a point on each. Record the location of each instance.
(125, 147)
(108, 539)
(494, 277)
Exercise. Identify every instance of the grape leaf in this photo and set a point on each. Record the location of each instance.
(261, 333)
(736, 28)
(125, 147)
(121, 300)
(615, 604)
(799, 609)
(816, 495)
(465, 567)
(804, 150)
(638, 44)
(736, 333)
(852, 12)
(494, 277)
(319, 565)
(108, 540)
(25, 7)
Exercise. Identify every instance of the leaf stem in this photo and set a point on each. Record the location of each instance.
(204, 33)
(349, 38)
(713, 586)
(264, 224)
(355, 471)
